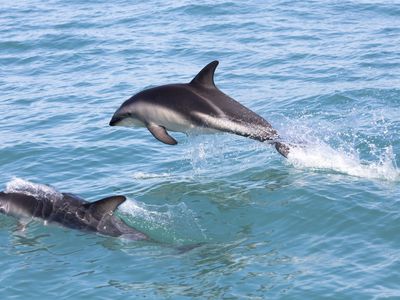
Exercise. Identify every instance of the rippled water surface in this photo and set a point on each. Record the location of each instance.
(322, 224)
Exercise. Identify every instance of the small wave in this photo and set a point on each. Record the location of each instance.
(41, 191)
(144, 175)
(175, 224)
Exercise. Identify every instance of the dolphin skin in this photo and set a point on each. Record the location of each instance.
(194, 107)
(70, 211)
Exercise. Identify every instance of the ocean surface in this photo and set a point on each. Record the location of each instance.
(230, 217)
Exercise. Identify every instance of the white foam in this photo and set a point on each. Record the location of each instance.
(144, 175)
(322, 156)
(41, 191)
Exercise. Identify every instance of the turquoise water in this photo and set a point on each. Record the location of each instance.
(323, 224)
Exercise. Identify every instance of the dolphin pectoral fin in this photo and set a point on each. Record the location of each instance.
(161, 134)
(104, 206)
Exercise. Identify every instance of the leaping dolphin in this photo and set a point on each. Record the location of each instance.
(199, 107)
(70, 211)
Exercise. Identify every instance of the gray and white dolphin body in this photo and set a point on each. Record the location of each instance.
(70, 211)
(198, 107)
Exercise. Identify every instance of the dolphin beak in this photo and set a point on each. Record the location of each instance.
(115, 120)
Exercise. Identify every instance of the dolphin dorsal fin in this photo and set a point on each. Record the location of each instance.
(206, 76)
(105, 206)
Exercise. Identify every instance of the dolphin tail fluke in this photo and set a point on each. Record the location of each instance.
(282, 148)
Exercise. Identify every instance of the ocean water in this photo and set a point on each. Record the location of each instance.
(231, 218)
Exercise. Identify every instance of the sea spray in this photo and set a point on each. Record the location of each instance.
(324, 157)
(327, 146)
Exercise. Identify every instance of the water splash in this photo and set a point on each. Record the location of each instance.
(174, 224)
(212, 156)
(41, 191)
(346, 145)
(324, 157)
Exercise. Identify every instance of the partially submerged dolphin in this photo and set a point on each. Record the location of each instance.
(69, 210)
(198, 106)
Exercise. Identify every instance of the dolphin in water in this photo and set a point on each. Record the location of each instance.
(69, 210)
(194, 107)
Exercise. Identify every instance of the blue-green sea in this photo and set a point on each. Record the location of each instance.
(229, 217)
